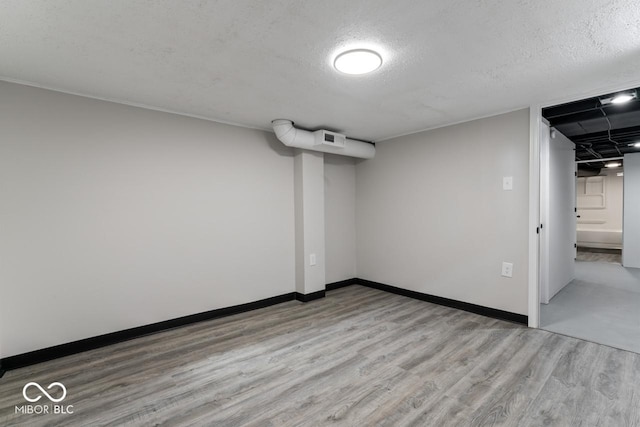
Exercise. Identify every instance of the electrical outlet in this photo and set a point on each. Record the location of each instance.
(507, 183)
(507, 269)
(312, 259)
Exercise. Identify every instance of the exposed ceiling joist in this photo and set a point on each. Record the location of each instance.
(599, 131)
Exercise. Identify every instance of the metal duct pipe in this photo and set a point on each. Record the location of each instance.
(299, 138)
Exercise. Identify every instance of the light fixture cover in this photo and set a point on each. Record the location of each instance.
(619, 98)
(357, 61)
(612, 165)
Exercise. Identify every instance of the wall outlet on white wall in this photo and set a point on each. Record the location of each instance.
(312, 259)
(507, 269)
(507, 183)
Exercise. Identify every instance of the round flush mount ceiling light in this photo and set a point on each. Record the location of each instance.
(357, 61)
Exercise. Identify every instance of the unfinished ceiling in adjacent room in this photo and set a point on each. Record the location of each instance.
(250, 61)
(599, 129)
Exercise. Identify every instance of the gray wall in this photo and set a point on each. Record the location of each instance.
(113, 217)
(433, 218)
(309, 227)
(631, 230)
(340, 217)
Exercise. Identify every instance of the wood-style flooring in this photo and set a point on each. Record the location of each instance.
(359, 357)
(613, 256)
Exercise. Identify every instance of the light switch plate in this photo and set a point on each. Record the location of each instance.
(507, 183)
(507, 269)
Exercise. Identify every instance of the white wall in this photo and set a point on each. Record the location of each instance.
(631, 236)
(340, 217)
(113, 217)
(433, 218)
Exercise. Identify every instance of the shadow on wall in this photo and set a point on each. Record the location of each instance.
(277, 146)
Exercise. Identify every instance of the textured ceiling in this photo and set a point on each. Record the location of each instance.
(251, 61)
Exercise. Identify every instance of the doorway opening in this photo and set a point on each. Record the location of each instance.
(599, 201)
(589, 204)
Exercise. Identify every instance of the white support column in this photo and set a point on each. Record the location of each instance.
(309, 214)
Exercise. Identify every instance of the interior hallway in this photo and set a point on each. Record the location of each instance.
(601, 305)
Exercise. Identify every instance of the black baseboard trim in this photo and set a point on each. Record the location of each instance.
(50, 353)
(341, 284)
(310, 297)
(466, 306)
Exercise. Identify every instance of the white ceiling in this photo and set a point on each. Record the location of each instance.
(250, 61)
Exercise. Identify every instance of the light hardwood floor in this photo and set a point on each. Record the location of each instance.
(359, 357)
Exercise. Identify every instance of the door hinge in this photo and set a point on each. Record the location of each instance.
(575, 245)
(537, 230)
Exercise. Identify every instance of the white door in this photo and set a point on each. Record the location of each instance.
(558, 216)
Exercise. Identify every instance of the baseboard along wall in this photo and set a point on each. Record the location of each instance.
(55, 352)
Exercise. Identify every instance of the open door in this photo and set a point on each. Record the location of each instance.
(558, 215)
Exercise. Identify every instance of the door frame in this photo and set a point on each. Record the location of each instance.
(535, 118)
